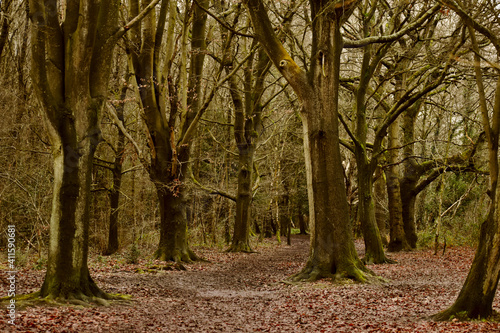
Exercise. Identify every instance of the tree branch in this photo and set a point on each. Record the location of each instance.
(117, 35)
(390, 38)
(122, 128)
(212, 190)
(224, 24)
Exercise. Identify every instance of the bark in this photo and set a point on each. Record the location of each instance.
(411, 174)
(173, 245)
(283, 215)
(302, 223)
(5, 18)
(398, 240)
(247, 124)
(374, 251)
(332, 249)
(476, 296)
(241, 232)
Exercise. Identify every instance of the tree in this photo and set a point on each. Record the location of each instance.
(72, 48)
(169, 155)
(332, 248)
(172, 109)
(115, 167)
(247, 125)
(404, 97)
(476, 296)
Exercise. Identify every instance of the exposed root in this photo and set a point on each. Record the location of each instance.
(240, 247)
(454, 314)
(78, 299)
(350, 272)
(185, 255)
(169, 266)
(369, 260)
(311, 273)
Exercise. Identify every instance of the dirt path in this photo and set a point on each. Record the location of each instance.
(242, 293)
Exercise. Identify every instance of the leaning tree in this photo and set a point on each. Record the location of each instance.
(476, 297)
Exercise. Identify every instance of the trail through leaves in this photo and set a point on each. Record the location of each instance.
(243, 293)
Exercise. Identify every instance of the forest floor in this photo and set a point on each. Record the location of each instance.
(243, 293)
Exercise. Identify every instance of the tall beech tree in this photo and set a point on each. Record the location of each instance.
(172, 108)
(367, 156)
(248, 108)
(476, 297)
(332, 247)
(417, 175)
(160, 99)
(247, 127)
(408, 93)
(70, 68)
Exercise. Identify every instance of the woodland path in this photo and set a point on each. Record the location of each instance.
(243, 293)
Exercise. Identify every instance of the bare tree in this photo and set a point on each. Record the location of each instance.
(476, 297)
(72, 48)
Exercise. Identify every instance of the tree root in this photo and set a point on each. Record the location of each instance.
(186, 255)
(311, 273)
(169, 266)
(78, 299)
(240, 247)
(350, 272)
(455, 314)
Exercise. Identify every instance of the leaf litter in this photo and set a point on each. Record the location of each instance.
(243, 293)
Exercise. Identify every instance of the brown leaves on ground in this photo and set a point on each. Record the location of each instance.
(238, 292)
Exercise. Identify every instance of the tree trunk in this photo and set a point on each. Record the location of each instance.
(374, 252)
(302, 223)
(169, 147)
(332, 247)
(411, 174)
(283, 216)
(408, 199)
(241, 232)
(70, 74)
(397, 234)
(379, 190)
(67, 275)
(332, 251)
(247, 127)
(476, 297)
(114, 196)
